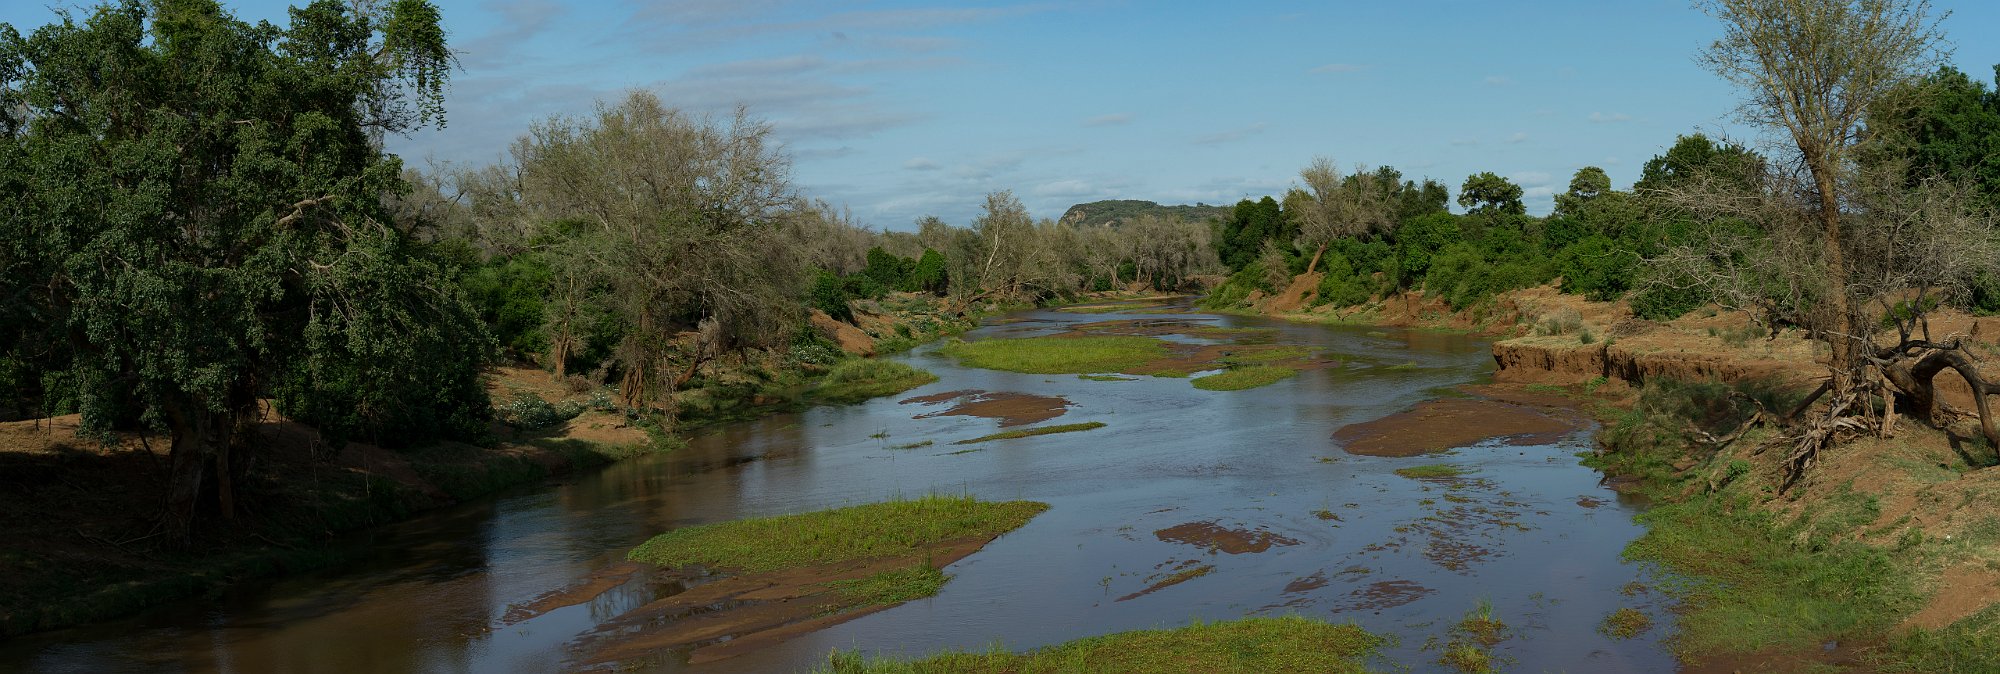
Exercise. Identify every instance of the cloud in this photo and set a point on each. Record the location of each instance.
(823, 153)
(1518, 138)
(1538, 192)
(1498, 81)
(910, 43)
(1531, 178)
(687, 25)
(921, 164)
(1112, 119)
(1066, 188)
(989, 167)
(1601, 118)
(520, 22)
(1230, 136)
(1338, 68)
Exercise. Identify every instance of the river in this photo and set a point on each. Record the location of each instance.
(1531, 532)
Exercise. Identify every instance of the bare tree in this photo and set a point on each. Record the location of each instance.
(1812, 69)
(1339, 207)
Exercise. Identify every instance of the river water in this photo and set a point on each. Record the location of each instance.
(1531, 532)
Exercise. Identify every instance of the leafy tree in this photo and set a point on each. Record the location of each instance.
(204, 220)
(1419, 241)
(928, 275)
(1696, 158)
(1488, 194)
(886, 268)
(1947, 125)
(1249, 225)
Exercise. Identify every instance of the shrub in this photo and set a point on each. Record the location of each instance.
(529, 412)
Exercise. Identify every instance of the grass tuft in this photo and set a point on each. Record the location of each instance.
(1625, 623)
(894, 586)
(1244, 378)
(1435, 471)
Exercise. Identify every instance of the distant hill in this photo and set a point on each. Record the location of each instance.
(1120, 211)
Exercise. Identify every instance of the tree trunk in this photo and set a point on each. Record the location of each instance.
(200, 448)
(1845, 348)
(1315, 261)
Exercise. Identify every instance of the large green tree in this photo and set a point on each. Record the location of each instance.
(199, 206)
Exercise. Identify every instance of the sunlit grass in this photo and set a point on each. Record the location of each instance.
(858, 379)
(1058, 355)
(1289, 644)
(1245, 378)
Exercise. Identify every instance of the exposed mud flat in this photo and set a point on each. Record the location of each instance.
(591, 587)
(1170, 574)
(1438, 425)
(723, 615)
(1010, 408)
(1385, 595)
(1214, 537)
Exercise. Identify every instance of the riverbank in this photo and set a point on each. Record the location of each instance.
(84, 542)
(1886, 557)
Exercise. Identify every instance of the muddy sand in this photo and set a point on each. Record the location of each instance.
(722, 614)
(1438, 425)
(1214, 537)
(1011, 409)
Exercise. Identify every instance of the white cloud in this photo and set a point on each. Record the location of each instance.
(1518, 138)
(1601, 118)
(1109, 120)
(1338, 68)
(1531, 178)
(921, 164)
(1538, 192)
(1066, 188)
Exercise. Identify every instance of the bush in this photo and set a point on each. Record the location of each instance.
(1597, 268)
(529, 412)
(830, 295)
(1561, 322)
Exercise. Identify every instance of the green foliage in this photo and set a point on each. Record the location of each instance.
(1435, 471)
(207, 222)
(1420, 240)
(928, 275)
(511, 294)
(1946, 126)
(1487, 193)
(886, 269)
(1694, 158)
(1250, 224)
(829, 294)
(828, 536)
(1281, 645)
(1597, 268)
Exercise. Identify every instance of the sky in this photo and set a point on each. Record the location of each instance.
(896, 110)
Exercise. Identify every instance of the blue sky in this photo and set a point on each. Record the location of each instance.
(898, 109)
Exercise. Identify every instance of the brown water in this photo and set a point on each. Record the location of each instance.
(1248, 483)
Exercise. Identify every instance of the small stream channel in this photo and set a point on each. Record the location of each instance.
(1531, 531)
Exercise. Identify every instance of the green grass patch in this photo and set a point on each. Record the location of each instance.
(1435, 471)
(1625, 623)
(1283, 644)
(1058, 355)
(827, 536)
(1031, 432)
(1104, 377)
(858, 379)
(1244, 378)
(894, 586)
(912, 445)
(1268, 354)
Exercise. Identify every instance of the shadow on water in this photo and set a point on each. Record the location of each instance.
(1292, 525)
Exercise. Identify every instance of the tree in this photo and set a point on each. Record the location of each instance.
(1489, 194)
(1340, 207)
(1696, 158)
(1849, 248)
(1811, 69)
(687, 226)
(206, 223)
